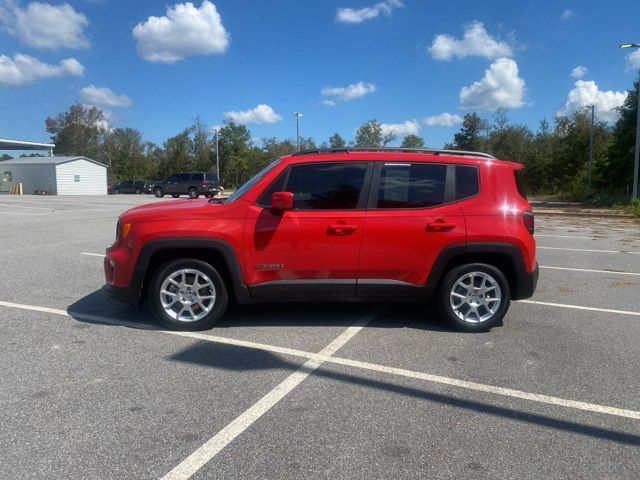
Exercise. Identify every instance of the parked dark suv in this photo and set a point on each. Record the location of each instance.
(193, 184)
(334, 225)
(128, 186)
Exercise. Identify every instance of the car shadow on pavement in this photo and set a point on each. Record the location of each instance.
(418, 316)
(239, 358)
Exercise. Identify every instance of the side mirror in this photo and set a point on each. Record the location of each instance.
(282, 201)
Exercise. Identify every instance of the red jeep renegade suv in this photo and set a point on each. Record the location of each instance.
(366, 224)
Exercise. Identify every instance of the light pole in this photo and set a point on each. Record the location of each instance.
(217, 130)
(297, 115)
(593, 115)
(637, 155)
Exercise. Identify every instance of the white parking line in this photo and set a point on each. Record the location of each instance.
(211, 448)
(93, 254)
(587, 250)
(574, 404)
(580, 307)
(588, 270)
(563, 236)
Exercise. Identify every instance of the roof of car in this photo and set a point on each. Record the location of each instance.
(398, 154)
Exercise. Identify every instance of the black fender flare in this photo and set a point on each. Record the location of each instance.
(523, 283)
(213, 245)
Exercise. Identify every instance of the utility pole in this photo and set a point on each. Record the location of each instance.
(297, 115)
(593, 116)
(637, 154)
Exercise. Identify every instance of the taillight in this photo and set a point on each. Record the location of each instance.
(528, 219)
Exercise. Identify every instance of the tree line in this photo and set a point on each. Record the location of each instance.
(556, 156)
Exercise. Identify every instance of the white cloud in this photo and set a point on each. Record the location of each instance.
(261, 114)
(103, 96)
(567, 14)
(475, 41)
(443, 120)
(185, 30)
(501, 87)
(587, 93)
(46, 26)
(344, 94)
(350, 15)
(409, 127)
(579, 71)
(23, 69)
(633, 60)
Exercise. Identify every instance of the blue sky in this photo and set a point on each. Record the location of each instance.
(416, 66)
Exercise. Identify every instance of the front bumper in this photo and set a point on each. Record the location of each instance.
(125, 295)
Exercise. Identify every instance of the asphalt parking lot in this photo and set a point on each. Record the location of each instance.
(91, 389)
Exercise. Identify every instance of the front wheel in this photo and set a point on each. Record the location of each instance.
(158, 192)
(188, 294)
(474, 297)
(138, 191)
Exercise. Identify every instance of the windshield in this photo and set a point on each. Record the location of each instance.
(249, 183)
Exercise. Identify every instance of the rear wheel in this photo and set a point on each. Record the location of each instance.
(138, 191)
(116, 191)
(158, 192)
(188, 294)
(474, 297)
(193, 193)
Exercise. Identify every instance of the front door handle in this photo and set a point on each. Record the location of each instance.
(341, 229)
(440, 226)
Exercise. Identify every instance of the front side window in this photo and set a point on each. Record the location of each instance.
(326, 186)
(404, 185)
(172, 178)
(197, 177)
(182, 177)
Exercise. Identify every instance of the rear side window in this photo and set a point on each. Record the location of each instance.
(326, 186)
(466, 181)
(404, 185)
(211, 177)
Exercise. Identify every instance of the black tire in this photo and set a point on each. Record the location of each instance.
(116, 191)
(193, 193)
(219, 304)
(175, 195)
(138, 191)
(158, 192)
(444, 298)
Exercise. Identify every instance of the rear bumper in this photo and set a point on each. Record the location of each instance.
(527, 283)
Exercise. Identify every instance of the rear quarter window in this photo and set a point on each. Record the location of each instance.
(466, 181)
(521, 183)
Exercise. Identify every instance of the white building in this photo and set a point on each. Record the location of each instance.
(58, 175)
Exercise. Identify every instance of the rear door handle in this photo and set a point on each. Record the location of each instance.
(440, 226)
(340, 229)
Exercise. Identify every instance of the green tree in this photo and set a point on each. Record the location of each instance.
(412, 141)
(336, 141)
(124, 150)
(369, 135)
(472, 135)
(234, 145)
(617, 170)
(78, 131)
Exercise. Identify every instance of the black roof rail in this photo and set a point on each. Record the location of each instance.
(394, 149)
